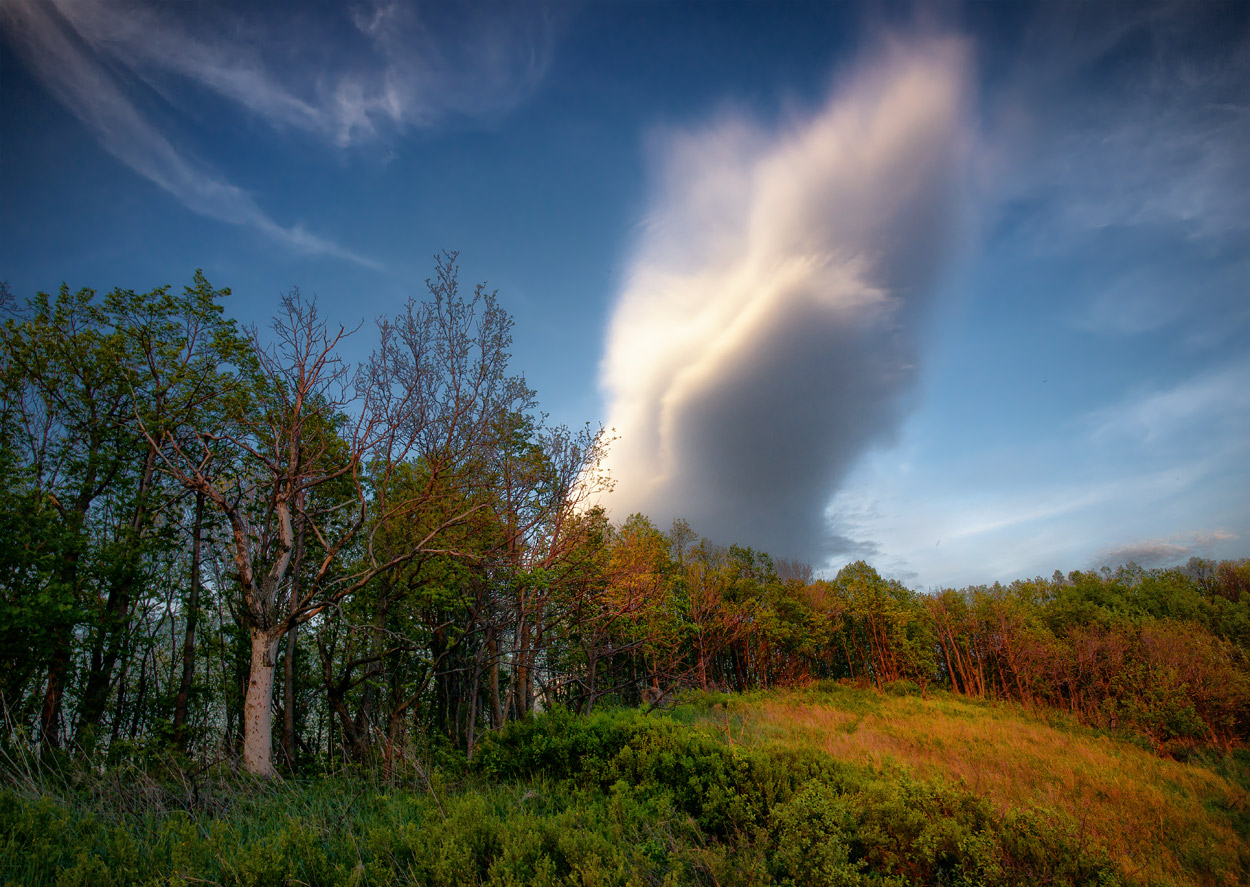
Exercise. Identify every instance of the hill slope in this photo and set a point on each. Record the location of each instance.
(1160, 820)
(818, 787)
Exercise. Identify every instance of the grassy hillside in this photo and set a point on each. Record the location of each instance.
(1160, 820)
(826, 786)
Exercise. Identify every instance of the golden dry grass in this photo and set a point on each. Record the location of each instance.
(1162, 821)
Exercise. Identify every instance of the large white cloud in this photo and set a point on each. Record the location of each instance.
(765, 335)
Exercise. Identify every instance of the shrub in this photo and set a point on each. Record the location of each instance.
(615, 798)
(812, 835)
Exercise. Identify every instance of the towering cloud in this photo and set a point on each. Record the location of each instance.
(765, 335)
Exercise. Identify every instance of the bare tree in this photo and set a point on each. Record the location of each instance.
(339, 454)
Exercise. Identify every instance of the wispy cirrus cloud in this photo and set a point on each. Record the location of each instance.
(765, 333)
(974, 522)
(1138, 118)
(349, 77)
(1213, 408)
(1115, 147)
(1124, 482)
(401, 71)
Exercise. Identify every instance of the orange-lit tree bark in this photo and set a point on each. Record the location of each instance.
(615, 611)
(550, 482)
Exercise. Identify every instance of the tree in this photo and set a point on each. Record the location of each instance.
(317, 451)
(621, 608)
(893, 636)
(79, 371)
(543, 478)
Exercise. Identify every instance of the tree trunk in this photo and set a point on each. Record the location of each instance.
(702, 662)
(50, 716)
(140, 693)
(59, 666)
(395, 729)
(496, 708)
(850, 664)
(258, 705)
(288, 676)
(115, 731)
(188, 641)
(337, 699)
(592, 675)
(524, 681)
(470, 733)
(114, 621)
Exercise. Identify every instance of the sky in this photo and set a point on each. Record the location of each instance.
(960, 289)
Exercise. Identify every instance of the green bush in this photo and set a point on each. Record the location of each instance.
(781, 815)
(811, 832)
(902, 688)
(555, 745)
(612, 799)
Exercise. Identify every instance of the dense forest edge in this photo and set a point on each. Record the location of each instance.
(268, 615)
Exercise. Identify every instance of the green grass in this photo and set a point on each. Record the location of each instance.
(828, 786)
(1162, 821)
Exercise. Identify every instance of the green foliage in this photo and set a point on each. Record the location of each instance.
(812, 831)
(416, 553)
(782, 815)
(611, 798)
(557, 745)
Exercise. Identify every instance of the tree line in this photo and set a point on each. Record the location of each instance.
(234, 542)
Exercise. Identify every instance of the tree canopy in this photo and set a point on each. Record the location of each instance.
(234, 542)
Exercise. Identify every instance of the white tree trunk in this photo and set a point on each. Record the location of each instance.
(258, 706)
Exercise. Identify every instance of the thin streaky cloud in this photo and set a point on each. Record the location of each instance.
(147, 41)
(1215, 404)
(91, 93)
(953, 530)
(385, 69)
(1184, 119)
(399, 74)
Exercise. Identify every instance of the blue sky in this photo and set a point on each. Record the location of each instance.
(962, 289)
